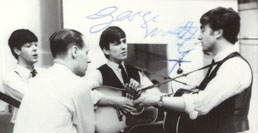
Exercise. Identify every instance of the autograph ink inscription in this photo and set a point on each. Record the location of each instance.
(108, 15)
(183, 33)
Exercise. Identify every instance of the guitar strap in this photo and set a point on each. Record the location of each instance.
(207, 78)
(9, 100)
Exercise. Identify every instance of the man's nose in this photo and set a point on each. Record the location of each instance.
(35, 48)
(123, 45)
(200, 36)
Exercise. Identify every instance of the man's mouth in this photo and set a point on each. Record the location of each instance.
(35, 55)
(124, 53)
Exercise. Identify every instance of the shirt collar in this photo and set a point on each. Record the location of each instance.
(23, 71)
(61, 67)
(224, 53)
(114, 65)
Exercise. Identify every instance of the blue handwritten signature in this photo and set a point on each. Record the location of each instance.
(183, 33)
(107, 14)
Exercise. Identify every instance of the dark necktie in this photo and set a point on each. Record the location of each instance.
(205, 80)
(210, 68)
(33, 73)
(124, 75)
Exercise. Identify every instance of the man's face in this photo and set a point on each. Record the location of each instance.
(82, 60)
(28, 53)
(117, 50)
(207, 38)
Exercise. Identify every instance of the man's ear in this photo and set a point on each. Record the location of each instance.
(17, 51)
(106, 51)
(74, 51)
(218, 33)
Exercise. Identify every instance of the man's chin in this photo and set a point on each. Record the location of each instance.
(123, 58)
(206, 52)
(34, 61)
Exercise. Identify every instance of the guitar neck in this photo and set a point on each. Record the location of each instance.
(156, 85)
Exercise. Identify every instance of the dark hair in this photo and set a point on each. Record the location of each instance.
(223, 18)
(20, 37)
(62, 40)
(111, 34)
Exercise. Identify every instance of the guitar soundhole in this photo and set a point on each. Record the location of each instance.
(137, 111)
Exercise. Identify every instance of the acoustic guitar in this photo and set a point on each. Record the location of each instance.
(107, 120)
(172, 119)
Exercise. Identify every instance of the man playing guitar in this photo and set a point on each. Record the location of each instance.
(112, 107)
(222, 103)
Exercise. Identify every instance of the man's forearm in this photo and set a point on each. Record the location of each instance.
(13, 93)
(174, 103)
(107, 101)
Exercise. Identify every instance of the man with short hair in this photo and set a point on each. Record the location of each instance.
(222, 103)
(59, 100)
(23, 45)
(115, 73)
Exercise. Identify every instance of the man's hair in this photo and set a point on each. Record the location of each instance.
(62, 40)
(223, 18)
(20, 37)
(109, 35)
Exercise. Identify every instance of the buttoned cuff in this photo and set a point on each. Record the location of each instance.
(189, 106)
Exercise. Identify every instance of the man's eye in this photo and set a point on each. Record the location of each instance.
(117, 42)
(124, 41)
(28, 45)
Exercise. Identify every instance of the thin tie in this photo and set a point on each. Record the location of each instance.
(210, 68)
(205, 80)
(33, 73)
(124, 75)
(126, 81)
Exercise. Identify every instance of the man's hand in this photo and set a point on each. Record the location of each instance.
(123, 103)
(147, 99)
(134, 85)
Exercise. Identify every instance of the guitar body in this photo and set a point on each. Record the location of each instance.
(107, 119)
(172, 120)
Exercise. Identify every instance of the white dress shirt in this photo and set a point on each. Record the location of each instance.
(16, 82)
(57, 101)
(232, 78)
(96, 80)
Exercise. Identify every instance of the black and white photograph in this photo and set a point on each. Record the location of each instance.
(128, 66)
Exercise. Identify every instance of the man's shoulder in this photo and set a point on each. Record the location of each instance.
(11, 75)
(104, 66)
(236, 66)
(238, 62)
